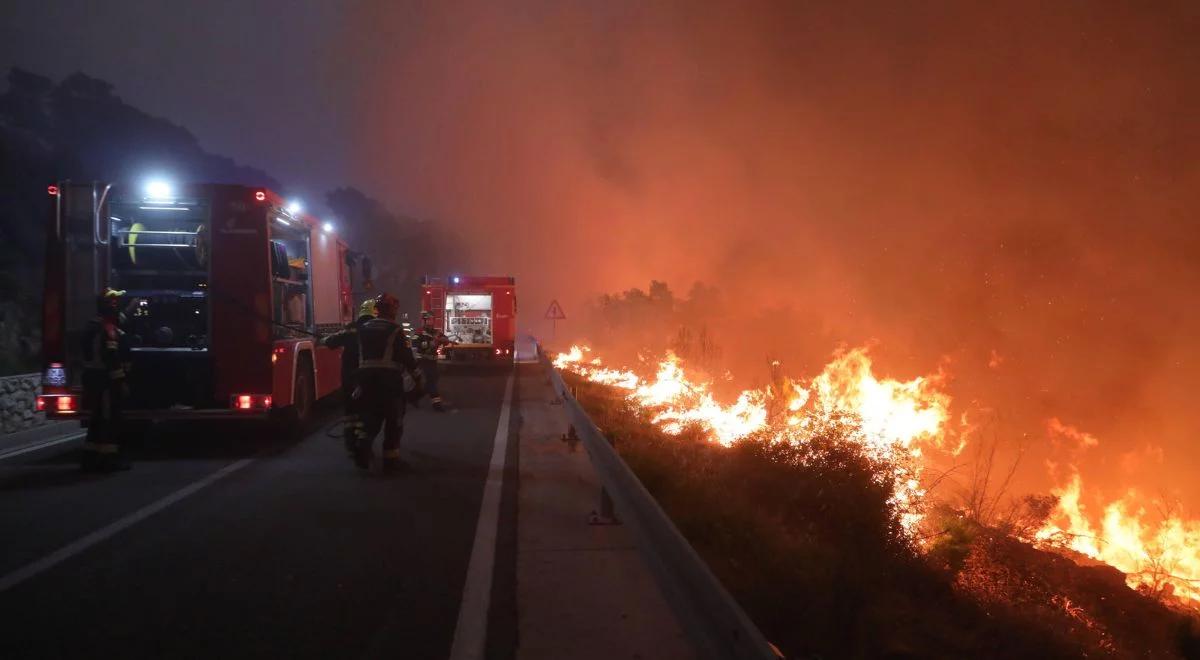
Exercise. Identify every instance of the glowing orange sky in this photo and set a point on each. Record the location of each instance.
(952, 180)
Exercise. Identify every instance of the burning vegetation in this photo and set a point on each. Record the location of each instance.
(898, 423)
(805, 457)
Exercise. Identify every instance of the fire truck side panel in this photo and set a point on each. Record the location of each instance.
(53, 299)
(326, 285)
(241, 339)
(504, 316)
(329, 306)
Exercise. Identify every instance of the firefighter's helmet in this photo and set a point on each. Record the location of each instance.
(107, 301)
(386, 306)
(367, 308)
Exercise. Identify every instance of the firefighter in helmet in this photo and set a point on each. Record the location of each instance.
(430, 342)
(384, 358)
(347, 340)
(106, 363)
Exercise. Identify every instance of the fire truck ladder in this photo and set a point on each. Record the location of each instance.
(437, 303)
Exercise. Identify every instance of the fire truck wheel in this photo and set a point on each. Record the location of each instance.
(303, 395)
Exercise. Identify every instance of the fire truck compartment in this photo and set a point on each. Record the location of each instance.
(469, 319)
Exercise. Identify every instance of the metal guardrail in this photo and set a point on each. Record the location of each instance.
(711, 618)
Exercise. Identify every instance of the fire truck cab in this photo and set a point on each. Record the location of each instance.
(227, 289)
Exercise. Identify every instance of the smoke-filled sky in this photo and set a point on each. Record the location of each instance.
(1006, 189)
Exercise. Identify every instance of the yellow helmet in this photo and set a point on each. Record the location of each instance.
(367, 308)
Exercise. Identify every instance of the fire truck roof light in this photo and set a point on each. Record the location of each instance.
(456, 279)
(327, 227)
(52, 190)
(260, 196)
(158, 189)
(295, 206)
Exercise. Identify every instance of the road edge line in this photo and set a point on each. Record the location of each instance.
(470, 632)
(71, 549)
(25, 449)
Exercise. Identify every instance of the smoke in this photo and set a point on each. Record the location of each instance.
(1007, 189)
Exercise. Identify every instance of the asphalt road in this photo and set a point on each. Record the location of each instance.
(226, 543)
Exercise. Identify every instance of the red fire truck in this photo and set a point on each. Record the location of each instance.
(227, 288)
(478, 313)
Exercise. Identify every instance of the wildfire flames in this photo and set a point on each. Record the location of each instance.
(899, 420)
(1157, 550)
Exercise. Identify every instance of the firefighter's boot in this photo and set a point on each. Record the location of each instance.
(350, 433)
(392, 463)
(362, 456)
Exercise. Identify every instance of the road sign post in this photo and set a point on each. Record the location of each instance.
(555, 313)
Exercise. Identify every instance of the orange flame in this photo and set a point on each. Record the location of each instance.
(1158, 552)
(898, 420)
(897, 417)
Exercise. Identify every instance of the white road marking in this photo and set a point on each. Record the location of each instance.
(41, 445)
(470, 634)
(66, 552)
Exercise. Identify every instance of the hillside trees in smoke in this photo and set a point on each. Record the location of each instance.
(402, 249)
(80, 129)
(656, 320)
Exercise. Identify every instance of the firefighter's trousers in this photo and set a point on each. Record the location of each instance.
(103, 397)
(429, 369)
(384, 410)
(353, 421)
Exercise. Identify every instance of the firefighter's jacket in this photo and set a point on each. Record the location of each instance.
(429, 342)
(383, 356)
(105, 347)
(347, 340)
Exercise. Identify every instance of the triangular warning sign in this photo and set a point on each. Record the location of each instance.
(555, 311)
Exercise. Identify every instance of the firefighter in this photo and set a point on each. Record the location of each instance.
(430, 341)
(384, 357)
(106, 363)
(347, 340)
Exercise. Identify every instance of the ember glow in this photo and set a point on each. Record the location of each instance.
(897, 418)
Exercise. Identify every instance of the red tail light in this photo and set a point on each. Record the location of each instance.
(57, 404)
(250, 401)
(52, 190)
